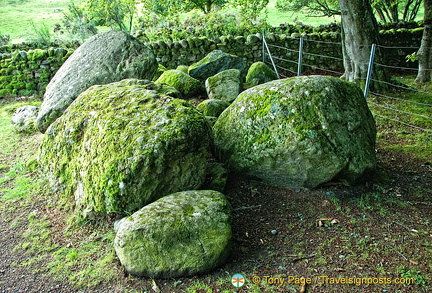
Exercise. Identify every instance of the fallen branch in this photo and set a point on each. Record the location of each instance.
(247, 208)
(302, 258)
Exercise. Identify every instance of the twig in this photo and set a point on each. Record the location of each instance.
(302, 258)
(247, 208)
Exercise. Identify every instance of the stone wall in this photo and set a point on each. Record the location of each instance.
(27, 72)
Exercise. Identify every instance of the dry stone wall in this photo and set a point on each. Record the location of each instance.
(26, 71)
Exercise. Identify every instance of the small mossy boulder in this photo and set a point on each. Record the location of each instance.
(224, 86)
(183, 234)
(161, 69)
(183, 68)
(212, 107)
(24, 119)
(259, 73)
(183, 82)
(215, 62)
(298, 132)
(123, 145)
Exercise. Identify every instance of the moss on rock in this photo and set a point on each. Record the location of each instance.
(298, 132)
(183, 234)
(212, 107)
(122, 145)
(259, 73)
(184, 83)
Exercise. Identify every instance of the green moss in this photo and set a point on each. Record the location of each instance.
(120, 146)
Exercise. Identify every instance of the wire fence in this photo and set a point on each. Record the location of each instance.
(400, 100)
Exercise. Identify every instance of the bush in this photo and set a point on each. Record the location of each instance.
(4, 39)
(211, 25)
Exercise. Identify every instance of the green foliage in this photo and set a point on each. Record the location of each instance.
(4, 39)
(43, 34)
(250, 9)
(77, 21)
(313, 7)
(117, 14)
(210, 25)
(412, 274)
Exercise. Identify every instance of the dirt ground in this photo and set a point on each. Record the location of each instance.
(378, 233)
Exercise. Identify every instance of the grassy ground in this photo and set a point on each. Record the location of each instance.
(382, 230)
(21, 18)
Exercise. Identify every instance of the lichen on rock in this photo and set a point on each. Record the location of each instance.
(123, 145)
(183, 234)
(298, 132)
(104, 58)
(215, 62)
(225, 85)
(259, 73)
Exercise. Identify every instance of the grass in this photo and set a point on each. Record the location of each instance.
(87, 255)
(18, 17)
(25, 20)
(409, 107)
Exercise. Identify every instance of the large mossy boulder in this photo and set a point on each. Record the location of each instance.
(183, 234)
(104, 58)
(298, 132)
(259, 73)
(225, 85)
(183, 82)
(123, 145)
(215, 62)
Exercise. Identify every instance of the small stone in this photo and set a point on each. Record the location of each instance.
(274, 232)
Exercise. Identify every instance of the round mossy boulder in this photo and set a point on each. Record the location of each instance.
(224, 86)
(259, 73)
(123, 145)
(212, 107)
(298, 132)
(215, 62)
(184, 83)
(183, 234)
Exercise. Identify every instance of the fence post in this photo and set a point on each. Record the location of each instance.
(300, 58)
(263, 47)
(270, 56)
(369, 73)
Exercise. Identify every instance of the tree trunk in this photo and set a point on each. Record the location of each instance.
(359, 32)
(424, 53)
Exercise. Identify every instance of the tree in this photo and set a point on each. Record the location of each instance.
(389, 11)
(359, 32)
(313, 7)
(424, 53)
(117, 14)
(249, 9)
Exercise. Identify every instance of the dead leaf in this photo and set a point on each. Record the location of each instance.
(413, 262)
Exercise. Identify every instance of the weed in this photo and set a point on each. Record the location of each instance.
(412, 274)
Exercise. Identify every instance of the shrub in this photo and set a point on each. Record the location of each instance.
(4, 39)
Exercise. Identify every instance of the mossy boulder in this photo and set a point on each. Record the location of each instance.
(183, 234)
(259, 73)
(123, 145)
(161, 69)
(104, 58)
(224, 86)
(212, 107)
(183, 82)
(24, 119)
(215, 62)
(298, 132)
